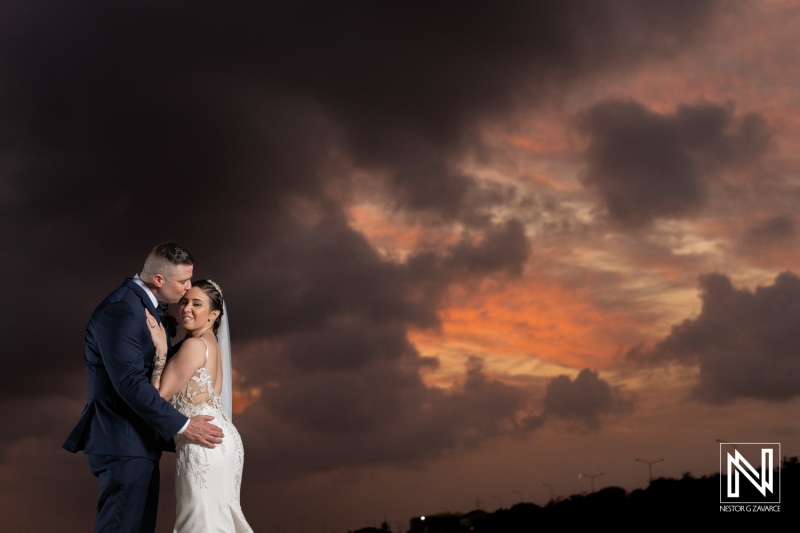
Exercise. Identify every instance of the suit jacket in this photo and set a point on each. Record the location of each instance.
(124, 414)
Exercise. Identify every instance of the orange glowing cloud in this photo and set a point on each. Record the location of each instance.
(393, 236)
(528, 326)
(243, 397)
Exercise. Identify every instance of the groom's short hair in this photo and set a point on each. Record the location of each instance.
(163, 259)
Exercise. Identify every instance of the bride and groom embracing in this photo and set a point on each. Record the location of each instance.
(143, 392)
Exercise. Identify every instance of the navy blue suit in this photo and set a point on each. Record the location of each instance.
(125, 424)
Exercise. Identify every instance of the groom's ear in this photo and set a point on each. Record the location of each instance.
(158, 280)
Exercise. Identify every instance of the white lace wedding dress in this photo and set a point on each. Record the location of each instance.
(208, 481)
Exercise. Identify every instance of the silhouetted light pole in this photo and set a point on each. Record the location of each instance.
(650, 466)
(498, 498)
(591, 478)
(551, 490)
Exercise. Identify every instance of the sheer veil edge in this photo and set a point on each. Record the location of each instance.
(224, 343)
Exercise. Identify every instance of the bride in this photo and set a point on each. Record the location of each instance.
(197, 381)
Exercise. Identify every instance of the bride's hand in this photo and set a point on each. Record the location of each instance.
(159, 336)
(157, 332)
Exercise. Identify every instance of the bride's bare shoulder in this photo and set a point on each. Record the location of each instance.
(192, 348)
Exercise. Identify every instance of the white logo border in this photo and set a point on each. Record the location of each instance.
(722, 471)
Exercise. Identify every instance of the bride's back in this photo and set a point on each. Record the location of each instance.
(197, 388)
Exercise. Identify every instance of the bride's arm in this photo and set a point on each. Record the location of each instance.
(182, 367)
(159, 336)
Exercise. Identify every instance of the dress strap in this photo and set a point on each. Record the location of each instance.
(204, 342)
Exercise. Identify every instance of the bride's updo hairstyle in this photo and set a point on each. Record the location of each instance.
(214, 294)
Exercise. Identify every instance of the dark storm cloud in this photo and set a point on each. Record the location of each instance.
(115, 103)
(317, 274)
(646, 165)
(380, 415)
(125, 124)
(503, 248)
(348, 344)
(582, 400)
(412, 86)
(745, 343)
(776, 230)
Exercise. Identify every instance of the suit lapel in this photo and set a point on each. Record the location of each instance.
(140, 292)
(148, 303)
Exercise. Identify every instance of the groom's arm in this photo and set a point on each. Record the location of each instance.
(123, 349)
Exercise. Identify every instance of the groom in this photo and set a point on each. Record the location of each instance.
(126, 424)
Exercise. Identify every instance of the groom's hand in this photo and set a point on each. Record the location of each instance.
(199, 431)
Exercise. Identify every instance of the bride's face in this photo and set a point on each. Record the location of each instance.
(196, 310)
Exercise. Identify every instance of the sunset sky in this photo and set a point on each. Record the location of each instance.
(468, 249)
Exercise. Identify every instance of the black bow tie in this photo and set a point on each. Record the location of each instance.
(167, 319)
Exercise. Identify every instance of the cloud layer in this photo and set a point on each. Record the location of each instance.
(645, 165)
(744, 342)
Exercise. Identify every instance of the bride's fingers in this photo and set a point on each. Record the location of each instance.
(150, 320)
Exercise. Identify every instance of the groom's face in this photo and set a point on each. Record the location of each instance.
(174, 287)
